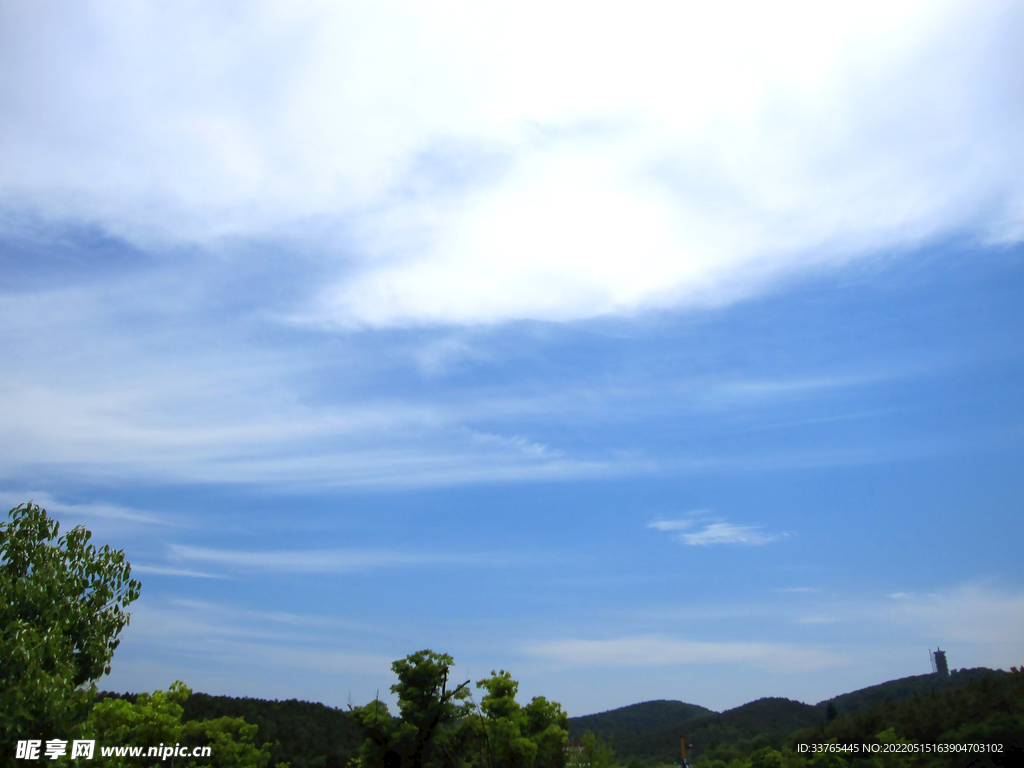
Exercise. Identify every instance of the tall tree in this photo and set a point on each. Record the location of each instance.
(62, 607)
(439, 728)
(426, 705)
(504, 740)
(507, 735)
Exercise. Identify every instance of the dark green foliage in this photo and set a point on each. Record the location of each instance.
(387, 741)
(62, 606)
(426, 704)
(595, 752)
(442, 728)
(301, 733)
(652, 736)
(424, 732)
(548, 726)
(767, 718)
(157, 719)
(865, 698)
(988, 709)
(503, 734)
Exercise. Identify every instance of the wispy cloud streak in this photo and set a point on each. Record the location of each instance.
(328, 561)
(94, 510)
(713, 532)
(658, 650)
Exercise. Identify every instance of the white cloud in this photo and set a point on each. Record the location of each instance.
(727, 533)
(670, 525)
(719, 532)
(464, 163)
(161, 571)
(819, 620)
(100, 510)
(657, 650)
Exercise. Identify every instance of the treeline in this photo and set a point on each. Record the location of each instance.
(766, 724)
(761, 723)
(988, 710)
(301, 733)
(894, 690)
(439, 725)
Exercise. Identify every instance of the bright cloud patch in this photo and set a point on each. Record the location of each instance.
(448, 178)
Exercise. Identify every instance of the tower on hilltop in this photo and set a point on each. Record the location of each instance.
(939, 665)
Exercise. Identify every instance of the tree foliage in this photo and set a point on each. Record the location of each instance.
(302, 733)
(62, 608)
(595, 752)
(157, 719)
(507, 735)
(427, 710)
(989, 710)
(440, 727)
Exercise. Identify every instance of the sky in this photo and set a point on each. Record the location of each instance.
(660, 351)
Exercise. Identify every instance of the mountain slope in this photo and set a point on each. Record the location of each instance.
(903, 688)
(637, 717)
(649, 732)
(771, 717)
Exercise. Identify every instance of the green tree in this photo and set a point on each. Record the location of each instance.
(505, 745)
(429, 711)
(506, 735)
(156, 719)
(596, 752)
(766, 757)
(426, 704)
(62, 606)
(521, 737)
(149, 721)
(387, 741)
(439, 728)
(548, 725)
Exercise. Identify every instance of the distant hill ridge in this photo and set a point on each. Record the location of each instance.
(661, 743)
(650, 731)
(903, 688)
(311, 735)
(643, 716)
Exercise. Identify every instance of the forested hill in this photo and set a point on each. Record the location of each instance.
(896, 690)
(649, 732)
(771, 716)
(637, 717)
(310, 735)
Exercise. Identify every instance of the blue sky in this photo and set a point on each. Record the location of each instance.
(645, 355)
